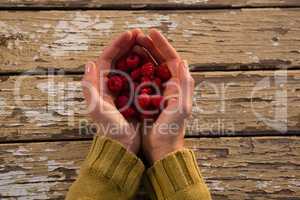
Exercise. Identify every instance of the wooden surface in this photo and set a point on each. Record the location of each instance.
(246, 117)
(144, 4)
(209, 40)
(52, 107)
(234, 168)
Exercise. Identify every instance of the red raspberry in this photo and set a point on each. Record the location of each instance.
(135, 85)
(115, 84)
(122, 65)
(146, 90)
(133, 61)
(144, 101)
(122, 101)
(163, 72)
(128, 113)
(148, 69)
(124, 93)
(135, 74)
(157, 82)
(125, 82)
(156, 100)
(145, 79)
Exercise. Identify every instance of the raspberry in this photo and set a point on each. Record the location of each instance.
(135, 74)
(156, 101)
(122, 101)
(157, 82)
(145, 76)
(135, 85)
(145, 84)
(115, 84)
(148, 69)
(146, 90)
(128, 113)
(144, 101)
(122, 65)
(125, 82)
(133, 61)
(145, 79)
(124, 93)
(163, 72)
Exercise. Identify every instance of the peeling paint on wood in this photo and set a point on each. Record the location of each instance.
(225, 103)
(234, 168)
(154, 21)
(68, 41)
(209, 40)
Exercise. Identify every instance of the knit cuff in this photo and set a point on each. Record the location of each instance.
(109, 159)
(175, 173)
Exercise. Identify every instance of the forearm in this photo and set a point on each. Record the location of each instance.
(109, 172)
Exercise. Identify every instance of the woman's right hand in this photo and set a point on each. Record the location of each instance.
(166, 135)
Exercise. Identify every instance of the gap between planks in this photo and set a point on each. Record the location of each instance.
(185, 137)
(143, 7)
(193, 69)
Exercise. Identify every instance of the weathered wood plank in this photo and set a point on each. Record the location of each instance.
(225, 103)
(234, 168)
(209, 40)
(133, 4)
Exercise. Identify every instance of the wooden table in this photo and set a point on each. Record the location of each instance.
(245, 58)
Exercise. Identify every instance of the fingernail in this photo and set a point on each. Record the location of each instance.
(185, 63)
(89, 66)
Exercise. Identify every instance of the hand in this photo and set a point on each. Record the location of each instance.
(100, 101)
(167, 133)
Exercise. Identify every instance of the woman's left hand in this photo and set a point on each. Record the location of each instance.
(100, 101)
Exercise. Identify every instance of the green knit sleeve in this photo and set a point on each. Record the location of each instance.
(109, 172)
(176, 177)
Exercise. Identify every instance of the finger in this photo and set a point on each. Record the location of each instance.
(187, 85)
(90, 85)
(136, 32)
(183, 70)
(171, 87)
(104, 92)
(171, 114)
(144, 54)
(91, 74)
(167, 50)
(118, 47)
(147, 43)
(172, 91)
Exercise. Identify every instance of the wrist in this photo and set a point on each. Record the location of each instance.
(125, 136)
(157, 154)
(131, 146)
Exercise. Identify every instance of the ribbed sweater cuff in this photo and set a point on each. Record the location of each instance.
(177, 172)
(109, 159)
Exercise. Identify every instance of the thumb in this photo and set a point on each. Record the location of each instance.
(90, 86)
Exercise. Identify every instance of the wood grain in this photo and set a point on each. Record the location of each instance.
(134, 4)
(210, 40)
(225, 103)
(234, 168)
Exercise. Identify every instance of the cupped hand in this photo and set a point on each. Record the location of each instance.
(166, 135)
(101, 108)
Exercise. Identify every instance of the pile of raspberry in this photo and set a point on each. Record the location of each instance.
(138, 86)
